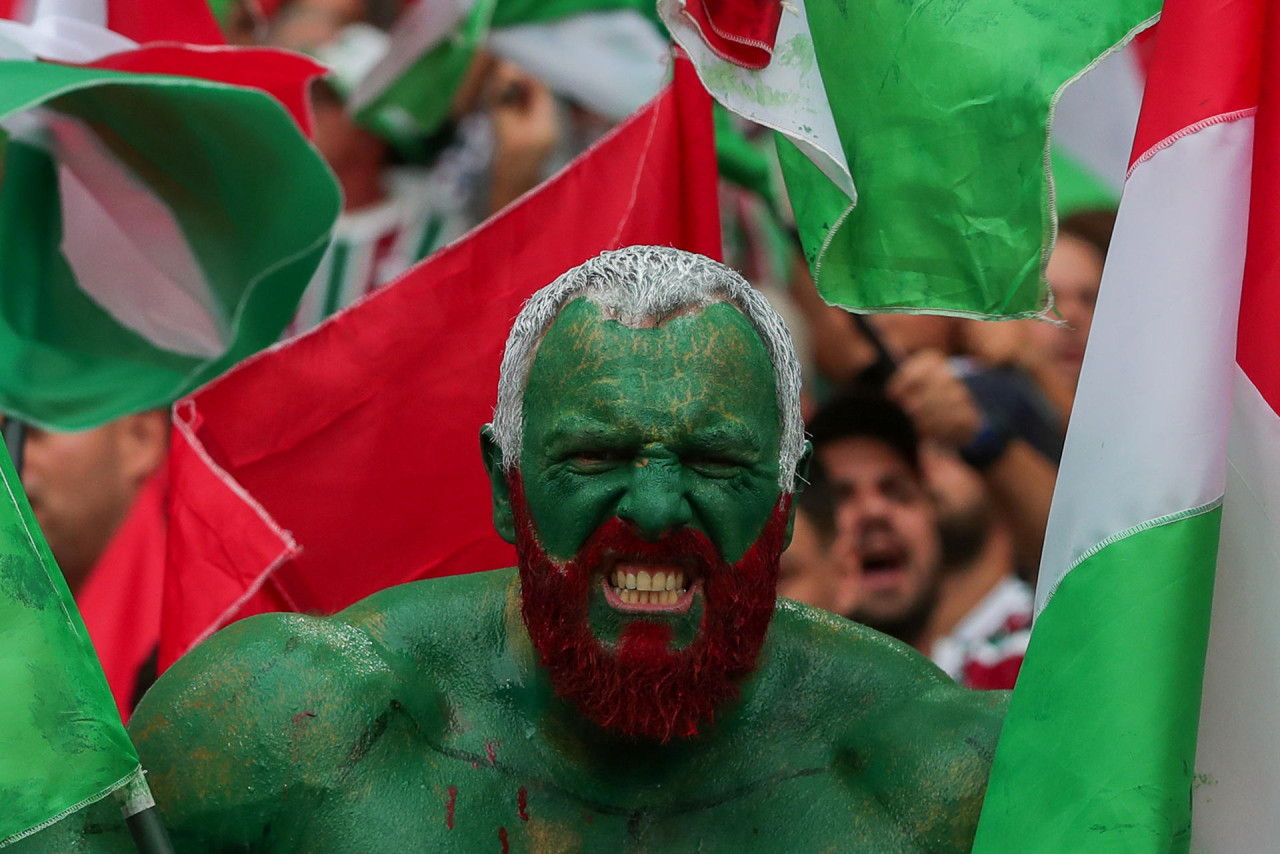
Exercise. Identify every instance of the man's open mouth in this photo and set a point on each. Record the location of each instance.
(883, 565)
(649, 588)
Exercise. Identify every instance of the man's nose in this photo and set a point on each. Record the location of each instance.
(655, 502)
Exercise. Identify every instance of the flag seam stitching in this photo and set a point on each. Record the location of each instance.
(291, 547)
(1159, 521)
(92, 799)
(1051, 205)
(684, 10)
(1221, 118)
(765, 46)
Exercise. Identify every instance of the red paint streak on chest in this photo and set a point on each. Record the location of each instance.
(502, 837)
(491, 751)
(522, 803)
(449, 807)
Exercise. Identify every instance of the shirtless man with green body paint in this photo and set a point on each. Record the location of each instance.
(631, 686)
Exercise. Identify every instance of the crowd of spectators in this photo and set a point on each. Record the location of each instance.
(936, 438)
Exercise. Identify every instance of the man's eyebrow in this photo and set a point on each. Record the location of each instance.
(727, 436)
(575, 428)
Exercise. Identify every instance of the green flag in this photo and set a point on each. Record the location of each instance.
(914, 139)
(62, 746)
(155, 229)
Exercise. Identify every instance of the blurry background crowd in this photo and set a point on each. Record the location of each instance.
(936, 438)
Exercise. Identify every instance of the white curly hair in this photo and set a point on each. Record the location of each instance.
(638, 286)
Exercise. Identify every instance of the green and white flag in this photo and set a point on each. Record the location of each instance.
(939, 115)
(62, 746)
(155, 229)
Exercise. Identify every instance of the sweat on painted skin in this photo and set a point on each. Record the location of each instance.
(534, 709)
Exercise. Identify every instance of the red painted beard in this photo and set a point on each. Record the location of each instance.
(641, 688)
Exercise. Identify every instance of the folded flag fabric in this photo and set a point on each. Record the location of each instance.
(1171, 468)
(347, 460)
(63, 744)
(159, 218)
(938, 115)
(743, 32)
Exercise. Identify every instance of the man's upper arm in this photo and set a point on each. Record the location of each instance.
(932, 760)
(248, 716)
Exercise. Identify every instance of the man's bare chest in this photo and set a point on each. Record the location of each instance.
(457, 801)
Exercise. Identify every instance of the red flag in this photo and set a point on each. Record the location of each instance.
(187, 21)
(282, 74)
(120, 601)
(740, 31)
(348, 459)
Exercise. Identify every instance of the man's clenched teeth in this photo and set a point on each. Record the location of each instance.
(648, 586)
(632, 584)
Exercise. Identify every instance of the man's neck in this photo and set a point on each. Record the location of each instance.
(962, 588)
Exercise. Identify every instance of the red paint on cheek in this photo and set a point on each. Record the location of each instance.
(491, 751)
(502, 837)
(522, 803)
(448, 808)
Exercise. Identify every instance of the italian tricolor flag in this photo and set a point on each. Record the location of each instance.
(1147, 714)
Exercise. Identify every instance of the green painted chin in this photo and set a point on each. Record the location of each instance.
(608, 621)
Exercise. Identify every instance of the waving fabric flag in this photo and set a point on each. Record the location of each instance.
(154, 229)
(142, 21)
(938, 114)
(348, 459)
(609, 55)
(62, 741)
(1172, 465)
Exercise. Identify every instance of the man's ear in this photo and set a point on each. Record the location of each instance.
(503, 521)
(142, 442)
(800, 481)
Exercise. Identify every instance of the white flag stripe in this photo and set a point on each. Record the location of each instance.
(612, 63)
(788, 95)
(127, 250)
(1238, 751)
(1149, 428)
(89, 11)
(1097, 115)
(65, 39)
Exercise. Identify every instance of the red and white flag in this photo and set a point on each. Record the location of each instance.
(347, 460)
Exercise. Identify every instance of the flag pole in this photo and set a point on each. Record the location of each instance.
(139, 808)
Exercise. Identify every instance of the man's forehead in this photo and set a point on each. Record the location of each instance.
(717, 333)
(703, 365)
(863, 457)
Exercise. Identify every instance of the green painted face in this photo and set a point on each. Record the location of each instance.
(669, 426)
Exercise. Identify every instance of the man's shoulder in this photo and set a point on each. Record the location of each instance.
(898, 724)
(458, 614)
(276, 659)
(862, 667)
